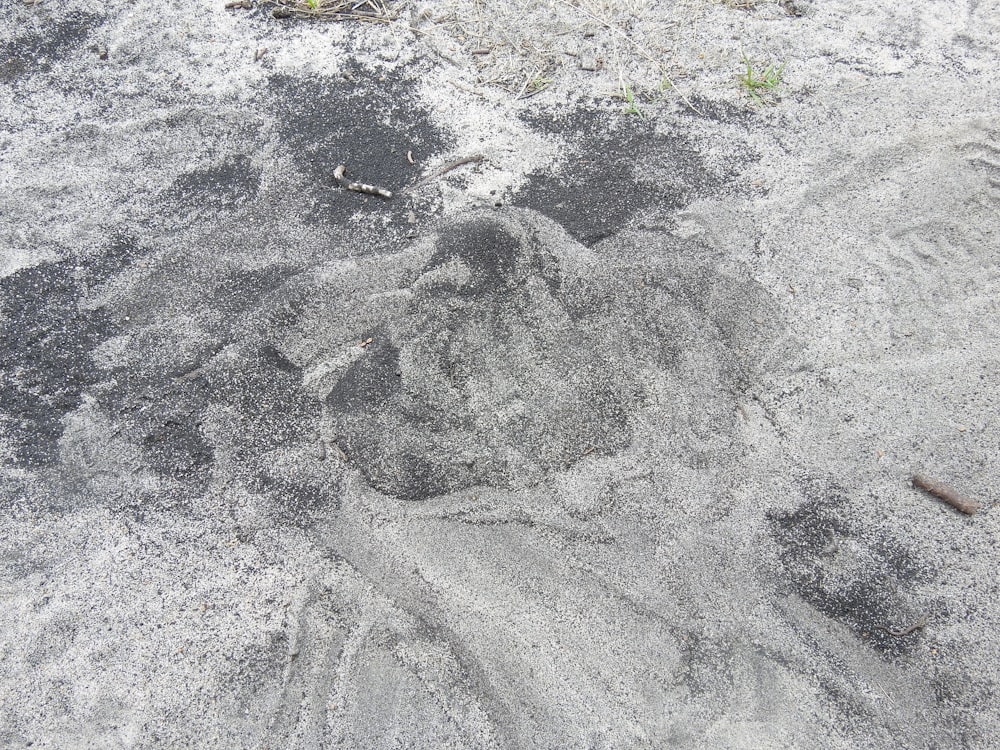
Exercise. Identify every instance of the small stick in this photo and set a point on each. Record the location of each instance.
(474, 159)
(358, 187)
(946, 493)
(900, 632)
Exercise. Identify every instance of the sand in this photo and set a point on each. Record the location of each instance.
(602, 438)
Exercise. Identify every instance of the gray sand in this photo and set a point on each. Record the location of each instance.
(600, 441)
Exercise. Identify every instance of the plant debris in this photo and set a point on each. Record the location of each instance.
(333, 10)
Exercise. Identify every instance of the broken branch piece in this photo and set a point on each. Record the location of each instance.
(945, 493)
(358, 187)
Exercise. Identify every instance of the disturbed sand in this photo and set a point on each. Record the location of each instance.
(601, 440)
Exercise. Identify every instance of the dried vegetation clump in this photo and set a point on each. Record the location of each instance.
(522, 46)
(334, 10)
(637, 51)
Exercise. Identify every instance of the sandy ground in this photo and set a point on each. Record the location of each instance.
(600, 439)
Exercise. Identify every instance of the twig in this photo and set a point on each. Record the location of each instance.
(946, 493)
(358, 187)
(443, 170)
(901, 632)
(474, 159)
